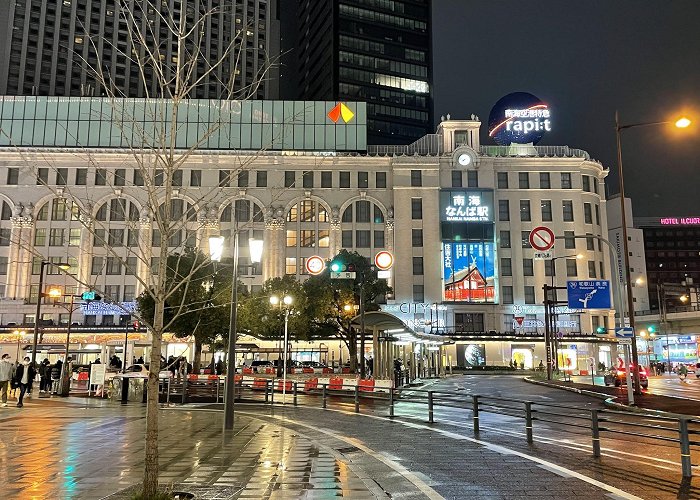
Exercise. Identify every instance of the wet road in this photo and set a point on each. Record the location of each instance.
(662, 385)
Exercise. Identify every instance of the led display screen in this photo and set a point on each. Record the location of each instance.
(469, 271)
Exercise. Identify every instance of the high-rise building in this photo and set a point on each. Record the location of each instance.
(378, 51)
(54, 48)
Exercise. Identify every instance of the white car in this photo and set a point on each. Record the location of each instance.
(140, 371)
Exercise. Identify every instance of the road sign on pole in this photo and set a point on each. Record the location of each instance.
(343, 275)
(589, 294)
(624, 333)
(541, 238)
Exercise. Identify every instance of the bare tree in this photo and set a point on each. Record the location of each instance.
(150, 131)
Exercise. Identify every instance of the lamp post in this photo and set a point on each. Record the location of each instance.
(64, 267)
(287, 301)
(681, 123)
(216, 246)
(19, 334)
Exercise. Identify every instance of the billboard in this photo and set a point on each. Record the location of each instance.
(519, 118)
(468, 271)
(471, 355)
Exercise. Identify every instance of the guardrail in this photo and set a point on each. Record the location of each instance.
(683, 431)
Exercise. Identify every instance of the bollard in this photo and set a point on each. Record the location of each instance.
(295, 393)
(596, 433)
(325, 394)
(391, 402)
(528, 421)
(218, 383)
(357, 399)
(167, 398)
(685, 447)
(475, 413)
(267, 391)
(184, 390)
(430, 407)
(272, 392)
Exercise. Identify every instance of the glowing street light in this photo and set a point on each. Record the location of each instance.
(287, 301)
(683, 122)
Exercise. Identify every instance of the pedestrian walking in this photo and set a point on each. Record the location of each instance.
(6, 369)
(45, 375)
(23, 377)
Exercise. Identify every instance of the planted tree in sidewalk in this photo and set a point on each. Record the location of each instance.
(160, 137)
(333, 303)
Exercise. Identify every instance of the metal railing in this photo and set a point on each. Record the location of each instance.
(534, 151)
(599, 423)
(428, 145)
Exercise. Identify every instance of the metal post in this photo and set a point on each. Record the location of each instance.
(430, 407)
(167, 398)
(547, 333)
(267, 391)
(391, 402)
(628, 376)
(38, 311)
(362, 326)
(295, 393)
(625, 252)
(65, 391)
(284, 361)
(184, 389)
(230, 395)
(528, 421)
(685, 447)
(218, 385)
(595, 430)
(661, 298)
(325, 395)
(357, 399)
(272, 392)
(475, 413)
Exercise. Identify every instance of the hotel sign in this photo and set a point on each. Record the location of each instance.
(680, 221)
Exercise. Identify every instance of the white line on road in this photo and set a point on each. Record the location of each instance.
(503, 450)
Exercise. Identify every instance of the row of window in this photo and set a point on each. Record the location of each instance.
(546, 211)
(571, 268)
(226, 178)
(545, 181)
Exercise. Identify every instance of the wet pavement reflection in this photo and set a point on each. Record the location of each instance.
(60, 449)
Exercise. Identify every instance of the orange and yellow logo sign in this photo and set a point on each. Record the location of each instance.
(339, 111)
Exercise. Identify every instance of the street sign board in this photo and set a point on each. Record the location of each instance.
(343, 275)
(624, 333)
(315, 265)
(541, 238)
(625, 341)
(546, 255)
(589, 294)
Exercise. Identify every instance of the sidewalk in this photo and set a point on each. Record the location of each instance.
(618, 395)
(63, 449)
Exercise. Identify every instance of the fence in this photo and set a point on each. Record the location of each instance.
(599, 423)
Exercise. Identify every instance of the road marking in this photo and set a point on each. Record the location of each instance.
(410, 476)
(506, 451)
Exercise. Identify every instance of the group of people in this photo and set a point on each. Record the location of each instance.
(21, 376)
(179, 366)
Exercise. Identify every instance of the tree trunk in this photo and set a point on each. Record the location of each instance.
(197, 356)
(352, 349)
(150, 473)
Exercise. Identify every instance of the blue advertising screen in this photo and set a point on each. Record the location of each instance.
(469, 271)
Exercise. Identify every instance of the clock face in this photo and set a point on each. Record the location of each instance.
(464, 159)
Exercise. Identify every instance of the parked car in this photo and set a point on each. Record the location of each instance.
(140, 371)
(260, 366)
(618, 377)
(312, 364)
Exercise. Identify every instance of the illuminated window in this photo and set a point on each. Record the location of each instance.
(291, 238)
(290, 266)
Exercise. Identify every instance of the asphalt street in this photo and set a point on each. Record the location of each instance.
(662, 385)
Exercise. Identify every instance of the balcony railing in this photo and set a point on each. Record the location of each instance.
(534, 151)
(429, 145)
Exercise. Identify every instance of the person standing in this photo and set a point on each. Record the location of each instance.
(23, 377)
(45, 374)
(55, 376)
(6, 369)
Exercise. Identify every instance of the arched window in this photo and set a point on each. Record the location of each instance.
(307, 233)
(362, 227)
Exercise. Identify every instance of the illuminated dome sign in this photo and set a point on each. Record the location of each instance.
(519, 118)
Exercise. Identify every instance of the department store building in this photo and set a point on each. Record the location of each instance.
(456, 215)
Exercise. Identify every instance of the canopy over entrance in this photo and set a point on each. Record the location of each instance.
(396, 330)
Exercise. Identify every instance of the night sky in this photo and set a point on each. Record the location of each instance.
(585, 58)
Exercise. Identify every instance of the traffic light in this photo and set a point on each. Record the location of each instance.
(135, 325)
(338, 266)
(91, 295)
(651, 329)
(601, 330)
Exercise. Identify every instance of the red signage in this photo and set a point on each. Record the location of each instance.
(541, 238)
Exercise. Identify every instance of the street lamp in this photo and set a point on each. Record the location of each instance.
(287, 301)
(680, 123)
(62, 266)
(19, 334)
(216, 244)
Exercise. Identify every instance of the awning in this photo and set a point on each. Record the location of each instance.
(397, 330)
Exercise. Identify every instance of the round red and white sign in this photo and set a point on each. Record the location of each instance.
(541, 238)
(315, 265)
(384, 260)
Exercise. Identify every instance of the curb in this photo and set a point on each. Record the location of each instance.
(585, 392)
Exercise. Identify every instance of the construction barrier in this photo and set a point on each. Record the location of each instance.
(311, 384)
(366, 385)
(383, 385)
(281, 385)
(336, 384)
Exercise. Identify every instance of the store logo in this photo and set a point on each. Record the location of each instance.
(339, 111)
(519, 118)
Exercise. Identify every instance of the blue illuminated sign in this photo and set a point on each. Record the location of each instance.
(468, 271)
(593, 294)
(519, 118)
